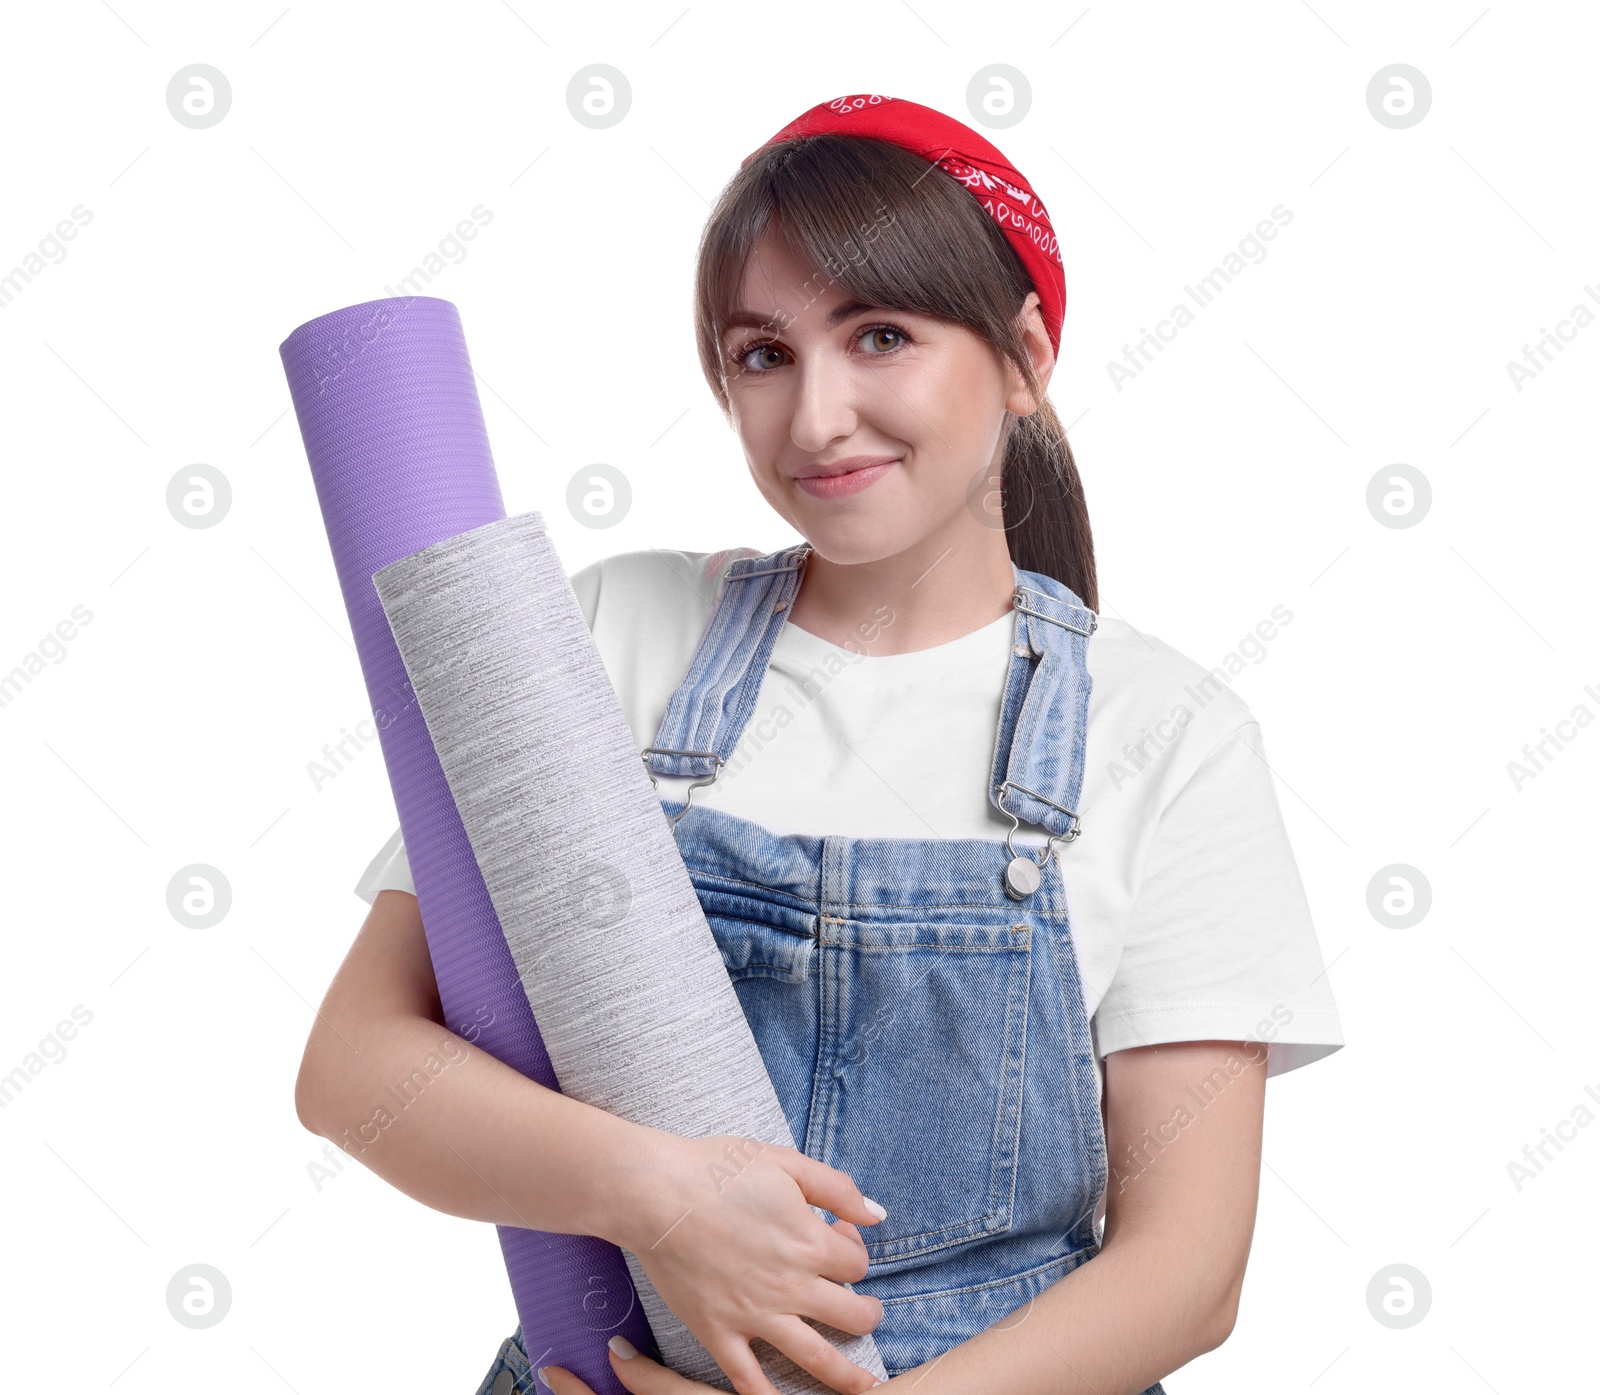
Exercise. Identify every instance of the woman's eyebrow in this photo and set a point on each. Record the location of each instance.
(844, 312)
(749, 318)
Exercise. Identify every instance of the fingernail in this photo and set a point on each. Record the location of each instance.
(542, 1376)
(623, 1347)
(873, 1207)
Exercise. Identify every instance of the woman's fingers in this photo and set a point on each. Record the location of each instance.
(845, 1259)
(643, 1376)
(849, 1230)
(827, 1302)
(798, 1340)
(637, 1373)
(829, 1187)
(809, 1349)
(563, 1382)
(740, 1366)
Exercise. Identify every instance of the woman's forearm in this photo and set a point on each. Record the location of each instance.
(1165, 1285)
(464, 1133)
(1114, 1326)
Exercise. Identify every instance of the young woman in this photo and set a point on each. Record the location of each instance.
(895, 755)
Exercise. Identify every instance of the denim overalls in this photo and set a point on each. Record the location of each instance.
(915, 1000)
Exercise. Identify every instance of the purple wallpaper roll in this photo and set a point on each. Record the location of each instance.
(389, 414)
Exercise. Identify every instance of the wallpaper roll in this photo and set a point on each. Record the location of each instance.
(389, 413)
(634, 1003)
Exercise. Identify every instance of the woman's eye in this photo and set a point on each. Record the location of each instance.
(876, 333)
(744, 356)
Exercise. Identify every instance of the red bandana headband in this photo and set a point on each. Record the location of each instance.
(962, 153)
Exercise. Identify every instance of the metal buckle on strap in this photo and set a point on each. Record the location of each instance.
(1016, 823)
(732, 575)
(688, 798)
(1019, 602)
(794, 564)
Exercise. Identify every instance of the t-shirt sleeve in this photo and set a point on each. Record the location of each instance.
(1220, 943)
(390, 869)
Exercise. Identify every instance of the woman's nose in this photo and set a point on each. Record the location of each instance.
(824, 407)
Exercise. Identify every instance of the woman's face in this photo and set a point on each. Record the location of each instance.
(818, 380)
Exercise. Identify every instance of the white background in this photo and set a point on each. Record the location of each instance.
(1230, 476)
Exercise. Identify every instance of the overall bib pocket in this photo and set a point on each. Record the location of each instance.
(919, 1098)
(897, 1051)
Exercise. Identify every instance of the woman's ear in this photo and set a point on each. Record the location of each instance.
(1036, 343)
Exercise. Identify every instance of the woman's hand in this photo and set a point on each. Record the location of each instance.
(638, 1373)
(726, 1234)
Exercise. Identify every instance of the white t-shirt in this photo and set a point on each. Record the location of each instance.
(1187, 909)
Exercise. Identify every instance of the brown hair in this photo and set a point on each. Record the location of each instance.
(890, 229)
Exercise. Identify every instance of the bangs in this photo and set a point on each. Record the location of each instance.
(871, 220)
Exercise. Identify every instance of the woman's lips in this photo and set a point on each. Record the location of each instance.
(851, 482)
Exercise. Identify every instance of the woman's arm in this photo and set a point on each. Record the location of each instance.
(442, 1119)
(464, 1133)
(1180, 1211)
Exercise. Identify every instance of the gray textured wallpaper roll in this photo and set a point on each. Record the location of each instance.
(622, 972)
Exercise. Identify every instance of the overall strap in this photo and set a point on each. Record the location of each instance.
(1037, 773)
(707, 714)
(1038, 765)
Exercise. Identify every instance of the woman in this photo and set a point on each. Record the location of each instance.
(893, 754)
